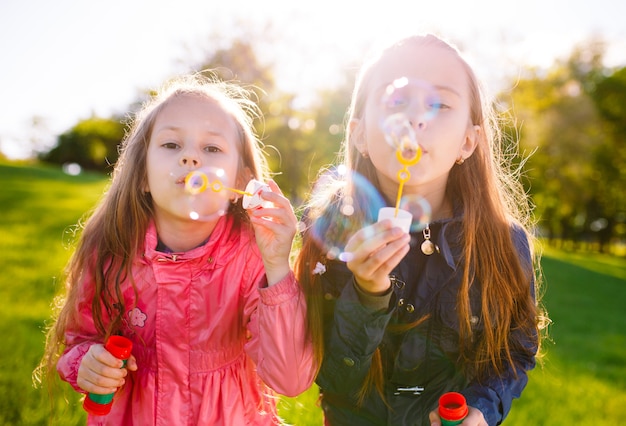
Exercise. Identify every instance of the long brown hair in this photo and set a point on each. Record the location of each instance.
(114, 232)
(491, 197)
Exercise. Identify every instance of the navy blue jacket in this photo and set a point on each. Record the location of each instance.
(419, 364)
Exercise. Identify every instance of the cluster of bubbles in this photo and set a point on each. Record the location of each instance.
(406, 104)
(208, 196)
(405, 107)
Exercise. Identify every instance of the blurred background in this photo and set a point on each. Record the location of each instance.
(72, 72)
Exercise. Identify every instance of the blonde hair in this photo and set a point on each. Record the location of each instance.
(491, 198)
(115, 231)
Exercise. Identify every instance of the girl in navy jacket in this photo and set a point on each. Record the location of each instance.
(399, 318)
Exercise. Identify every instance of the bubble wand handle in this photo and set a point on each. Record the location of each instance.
(404, 174)
(217, 186)
(100, 405)
(197, 182)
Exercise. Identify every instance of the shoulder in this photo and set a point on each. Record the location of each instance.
(521, 239)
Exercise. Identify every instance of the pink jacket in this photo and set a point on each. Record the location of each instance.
(207, 334)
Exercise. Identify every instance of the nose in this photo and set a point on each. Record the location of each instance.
(419, 123)
(189, 160)
(419, 116)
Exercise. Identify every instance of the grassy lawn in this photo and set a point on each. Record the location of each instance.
(582, 380)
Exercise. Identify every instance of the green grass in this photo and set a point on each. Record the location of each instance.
(582, 380)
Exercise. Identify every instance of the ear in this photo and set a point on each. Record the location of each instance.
(357, 136)
(145, 187)
(472, 136)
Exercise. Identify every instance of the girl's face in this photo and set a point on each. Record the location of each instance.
(439, 117)
(191, 133)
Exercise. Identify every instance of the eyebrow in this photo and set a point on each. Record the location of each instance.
(380, 90)
(447, 89)
(178, 128)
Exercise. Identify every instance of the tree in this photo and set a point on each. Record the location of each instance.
(564, 127)
(609, 97)
(92, 143)
(298, 141)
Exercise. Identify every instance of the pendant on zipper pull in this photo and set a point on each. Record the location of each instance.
(428, 247)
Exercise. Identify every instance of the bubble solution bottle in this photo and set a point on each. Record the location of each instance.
(100, 405)
(452, 408)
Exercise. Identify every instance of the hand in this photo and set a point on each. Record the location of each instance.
(374, 251)
(101, 373)
(274, 228)
(474, 418)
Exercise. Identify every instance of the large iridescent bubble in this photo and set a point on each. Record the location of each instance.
(354, 206)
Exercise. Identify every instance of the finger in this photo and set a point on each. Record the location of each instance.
(131, 363)
(382, 262)
(100, 381)
(102, 356)
(367, 233)
(274, 187)
(276, 199)
(281, 216)
(434, 419)
(372, 240)
(474, 417)
(268, 223)
(97, 387)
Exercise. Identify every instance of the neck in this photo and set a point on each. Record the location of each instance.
(433, 192)
(181, 236)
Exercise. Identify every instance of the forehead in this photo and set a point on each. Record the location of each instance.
(197, 109)
(436, 65)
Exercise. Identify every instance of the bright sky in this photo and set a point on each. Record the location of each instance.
(63, 60)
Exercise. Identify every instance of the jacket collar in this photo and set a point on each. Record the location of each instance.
(218, 250)
(448, 239)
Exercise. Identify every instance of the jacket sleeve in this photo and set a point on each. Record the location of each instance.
(352, 336)
(494, 396)
(78, 339)
(278, 341)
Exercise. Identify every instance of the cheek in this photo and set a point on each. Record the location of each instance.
(375, 139)
(151, 180)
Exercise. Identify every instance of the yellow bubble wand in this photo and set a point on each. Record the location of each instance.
(404, 174)
(215, 186)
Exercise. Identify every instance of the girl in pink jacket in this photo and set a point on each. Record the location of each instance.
(171, 260)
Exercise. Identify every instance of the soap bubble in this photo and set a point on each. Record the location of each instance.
(355, 206)
(419, 208)
(207, 193)
(196, 182)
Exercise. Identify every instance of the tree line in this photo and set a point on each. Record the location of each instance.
(569, 120)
